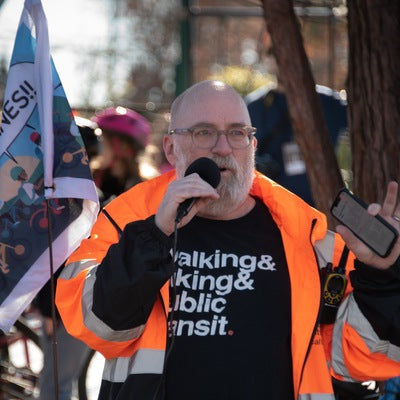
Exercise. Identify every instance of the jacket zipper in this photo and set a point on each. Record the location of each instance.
(314, 331)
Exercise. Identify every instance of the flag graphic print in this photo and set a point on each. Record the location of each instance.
(42, 160)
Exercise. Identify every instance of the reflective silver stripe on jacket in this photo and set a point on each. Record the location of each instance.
(324, 249)
(96, 325)
(316, 396)
(72, 269)
(350, 313)
(144, 361)
(91, 321)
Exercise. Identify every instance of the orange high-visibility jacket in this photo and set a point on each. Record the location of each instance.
(349, 349)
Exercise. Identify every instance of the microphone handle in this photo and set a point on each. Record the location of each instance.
(184, 208)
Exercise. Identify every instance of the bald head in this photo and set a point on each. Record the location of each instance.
(211, 102)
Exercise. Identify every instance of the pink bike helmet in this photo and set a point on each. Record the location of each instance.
(124, 121)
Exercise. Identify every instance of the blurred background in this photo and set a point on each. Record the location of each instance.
(142, 53)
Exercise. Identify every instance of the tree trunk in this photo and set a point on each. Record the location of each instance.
(304, 105)
(374, 95)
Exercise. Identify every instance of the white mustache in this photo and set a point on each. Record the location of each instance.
(226, 162)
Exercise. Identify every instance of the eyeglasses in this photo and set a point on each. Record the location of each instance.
(207, 137)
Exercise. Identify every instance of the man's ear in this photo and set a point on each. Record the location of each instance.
(255, 143)
(168, 146)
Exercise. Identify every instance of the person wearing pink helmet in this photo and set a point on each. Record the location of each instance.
(125, 134)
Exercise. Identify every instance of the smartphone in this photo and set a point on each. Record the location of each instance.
(374, 231)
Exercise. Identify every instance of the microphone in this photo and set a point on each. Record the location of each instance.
(208, 171)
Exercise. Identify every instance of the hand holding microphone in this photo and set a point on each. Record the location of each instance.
(183, 193)
(209, 172)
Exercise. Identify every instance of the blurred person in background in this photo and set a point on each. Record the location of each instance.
(124, 135)
(278, 155)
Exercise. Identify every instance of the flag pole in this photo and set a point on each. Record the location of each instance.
(44, 92)
(53, 307)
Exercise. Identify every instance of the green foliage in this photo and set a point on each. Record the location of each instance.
(243, 79)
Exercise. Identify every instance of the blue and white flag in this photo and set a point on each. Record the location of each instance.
(42, 161)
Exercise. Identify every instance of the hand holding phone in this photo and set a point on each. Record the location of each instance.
(374, 231)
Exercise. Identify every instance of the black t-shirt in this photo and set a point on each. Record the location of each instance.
(232, 312)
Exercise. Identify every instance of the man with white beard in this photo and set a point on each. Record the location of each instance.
(224, 300)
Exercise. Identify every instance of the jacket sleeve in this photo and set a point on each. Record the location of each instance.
(366, 338)
(109, 285)
(377, 294)
(131, 275)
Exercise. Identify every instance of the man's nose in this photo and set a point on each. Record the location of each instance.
(222, 146)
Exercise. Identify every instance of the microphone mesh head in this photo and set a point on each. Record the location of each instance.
(207, 169)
